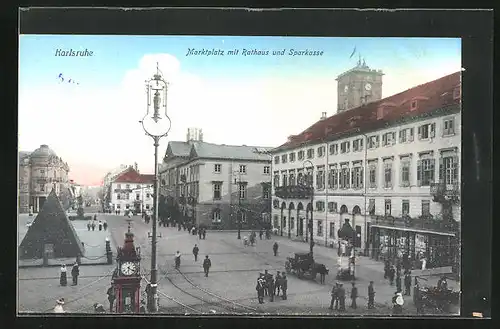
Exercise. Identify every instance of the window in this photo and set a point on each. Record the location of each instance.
(118, 206)
(321, 151)
(276, 160)
(405, 207)
(332, 206)
(320, 206)
(449, 127)
(320, 178)
(406, 135)
(283, 222)
(284, 158)
(371, 206)
(147, 195)
(427, 131)
(388, 207)
(388, 139)
(127, 186)
(448, 169)
(284, 181)
(127, 206)
(425, 172)
(357, 176)
(345, 146)
(216, 217)
(276, 179)
(291, 177)
(138, 187)
(413, 105)
(426, 208)
(137, 197)
(276, 203)
(243, 217)
(163, 183)
(333, 177)
(344, 177)
(42, 171)
(300, 155)
(267, 170)
(357, 144)
(266, 191)
(119, 186)
(291, 157)
(217, 168)
(320, 228)
(42, 187)
(292, 223)
(387, 173)
(242, 191)
(372, 167)
(275, 221)
(310, 153)
(118, 196)
(243, 169)
(373, 142)
(332, 230)
(217, 191)
(334, 149)
(405, 164)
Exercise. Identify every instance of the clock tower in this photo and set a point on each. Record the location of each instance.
(127, 276)
(357, 86)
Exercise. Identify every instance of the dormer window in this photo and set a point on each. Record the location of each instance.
(413, 105)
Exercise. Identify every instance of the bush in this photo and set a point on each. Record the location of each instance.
(80, 212)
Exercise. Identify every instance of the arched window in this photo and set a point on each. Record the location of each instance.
(356, 210)
(343, 209)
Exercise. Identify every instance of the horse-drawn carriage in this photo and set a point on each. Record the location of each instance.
(437, 298)
(304, 266)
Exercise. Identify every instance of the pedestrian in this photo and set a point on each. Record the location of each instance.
(200, 232)
(387, 267)
(322, 273)
(95, 217)
(407, 284)
(59, 306)
(177, 259)
(275, 248)
(195, 252)
(354, 295)
(111, 297)
(193, 230)
(261, 233)
(398, 282)
(277, 284)
(371, 296)
(260, 290)
(93, 225)
(341, 295)
(284, 286)
(266, 280)
(392, 272)
(206, 265)
(100, 225)
(63, 279)
(398, 266)
(89, 225)
(204, 233)
(334, 294)
(417, 299)
(75, 272)
(270, 287)
(105, 225)
(397, 304)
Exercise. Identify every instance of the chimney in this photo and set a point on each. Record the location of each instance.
(200, 137)
(188, 135)
(323, 115)
(135, 167)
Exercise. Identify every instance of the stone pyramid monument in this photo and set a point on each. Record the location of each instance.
(51, 231)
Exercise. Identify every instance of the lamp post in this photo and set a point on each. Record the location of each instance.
(238, 183)
(311, 182)
(156, 125)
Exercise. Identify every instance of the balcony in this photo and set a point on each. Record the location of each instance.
(293, 192)
(442, 192)
(421, 223)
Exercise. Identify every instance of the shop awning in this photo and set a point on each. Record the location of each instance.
(395, 228)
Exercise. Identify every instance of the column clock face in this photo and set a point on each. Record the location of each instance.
(368, 87)
(128, 268)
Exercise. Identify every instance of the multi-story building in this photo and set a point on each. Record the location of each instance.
(132, 191)
(39, 172)
(218, 186)
(390, 167)
(108, 179)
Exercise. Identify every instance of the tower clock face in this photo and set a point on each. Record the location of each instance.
(128, 268)
(368, 87)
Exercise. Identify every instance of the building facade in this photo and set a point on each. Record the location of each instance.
(39, 172)
(390, 168)
(218, 186)
(132, 191)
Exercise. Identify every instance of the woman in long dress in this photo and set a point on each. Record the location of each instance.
(64, 279)
(59, 306)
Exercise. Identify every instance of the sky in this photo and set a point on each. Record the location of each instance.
(93, 123)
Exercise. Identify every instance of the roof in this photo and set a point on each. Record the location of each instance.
(132, 176)
(23, 154)
(180, 149)
(51, 226)
(43, 151)
(431, 96)
(240, 152)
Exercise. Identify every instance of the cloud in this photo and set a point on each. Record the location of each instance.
(96, 129)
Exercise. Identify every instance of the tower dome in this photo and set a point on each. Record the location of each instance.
(44, 151)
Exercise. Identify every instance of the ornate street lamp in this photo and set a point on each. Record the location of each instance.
(156, 124)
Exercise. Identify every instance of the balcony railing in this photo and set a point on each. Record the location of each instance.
(422, 223)
(442, 191)
(293, 192)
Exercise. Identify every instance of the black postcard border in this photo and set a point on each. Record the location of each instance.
(477, 117)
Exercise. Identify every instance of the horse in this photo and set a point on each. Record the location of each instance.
(322, 270)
